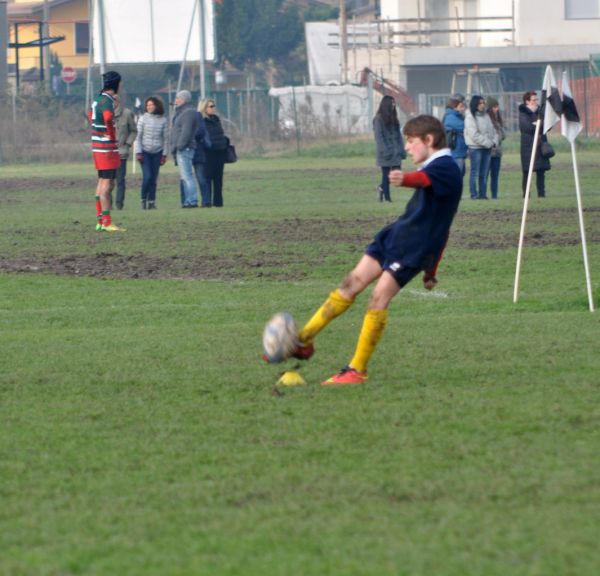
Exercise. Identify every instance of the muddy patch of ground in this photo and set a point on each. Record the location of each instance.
(279, 250)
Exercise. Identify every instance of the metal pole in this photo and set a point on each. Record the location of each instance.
(187, 45)
(46, 49)
(41, 37)
(152, 30)
(102, 38)
(343, 42)
(202, 49)
(3, 47)
(17, 75)
(88, 82)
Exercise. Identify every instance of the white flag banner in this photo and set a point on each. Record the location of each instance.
(551, 103)
(570, 124)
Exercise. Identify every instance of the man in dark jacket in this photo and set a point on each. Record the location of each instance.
(126, 134)
(183, 146)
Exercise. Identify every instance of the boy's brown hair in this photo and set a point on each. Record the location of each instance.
(421, 126)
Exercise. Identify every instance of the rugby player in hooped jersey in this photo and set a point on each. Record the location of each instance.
(105, 149)
(412, 244)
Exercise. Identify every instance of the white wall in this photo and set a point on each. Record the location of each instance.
(543, 22)
(537, 22)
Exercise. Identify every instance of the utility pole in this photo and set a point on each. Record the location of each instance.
(3, 47)
(46, 48)
(343, 42)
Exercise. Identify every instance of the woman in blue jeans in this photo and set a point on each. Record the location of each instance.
(150, 148)
(480, 137)
(493, 109)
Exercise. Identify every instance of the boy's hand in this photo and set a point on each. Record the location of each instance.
(396, 177)
(429, 281)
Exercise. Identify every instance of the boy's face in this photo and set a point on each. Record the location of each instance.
(419, 148)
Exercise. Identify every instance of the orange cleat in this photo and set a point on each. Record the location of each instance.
(346, 376)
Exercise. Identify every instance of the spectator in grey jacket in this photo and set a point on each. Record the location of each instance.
(480, 137)
(183, 145)
(388, 143)
(151, 148)
(126, 135)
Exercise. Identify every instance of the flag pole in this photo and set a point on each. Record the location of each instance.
(525, 205)
(582, 227)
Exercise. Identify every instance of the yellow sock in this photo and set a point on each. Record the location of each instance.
(370, 333)
(335, 305)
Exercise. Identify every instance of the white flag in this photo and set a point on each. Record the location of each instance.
(551, 104)
(570, 124)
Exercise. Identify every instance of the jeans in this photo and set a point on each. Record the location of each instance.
(385, 182)
(150, 169)
(185, 160)
(480, 166)
(494, 175)
(460, 162)
(200, 171)
(121, 173)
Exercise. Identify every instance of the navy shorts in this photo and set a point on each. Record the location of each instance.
(376, 249)
(107, 174)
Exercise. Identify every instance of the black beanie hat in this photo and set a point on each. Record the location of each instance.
(110, 81)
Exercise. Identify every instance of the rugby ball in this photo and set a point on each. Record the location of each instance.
(280, 338)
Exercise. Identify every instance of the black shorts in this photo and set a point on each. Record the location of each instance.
(107, 174)
(376, 249)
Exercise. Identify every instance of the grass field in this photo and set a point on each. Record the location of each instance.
(141, 434)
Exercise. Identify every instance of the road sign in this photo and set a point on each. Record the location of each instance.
(68, 74)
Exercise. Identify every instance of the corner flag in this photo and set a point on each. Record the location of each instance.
(550, 96)
(570, 123)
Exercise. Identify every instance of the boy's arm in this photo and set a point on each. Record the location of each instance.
(429, 276)
(418, 179)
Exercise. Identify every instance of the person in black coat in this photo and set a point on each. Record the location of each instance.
(215, 156)
(528, 115)
(203, 144)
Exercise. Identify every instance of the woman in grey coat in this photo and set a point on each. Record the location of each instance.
(388, 143)
(480, 136)
(151, 148)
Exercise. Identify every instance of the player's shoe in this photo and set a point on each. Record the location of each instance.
(113, 228)
(98, 227)
(346, 376)
(303, 351)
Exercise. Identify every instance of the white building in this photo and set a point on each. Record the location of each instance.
(422, 44)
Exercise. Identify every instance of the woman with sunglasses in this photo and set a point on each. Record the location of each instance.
(215, 155)
(528, 115)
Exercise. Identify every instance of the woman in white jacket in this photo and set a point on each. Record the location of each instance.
(151, 148)
(480, 137)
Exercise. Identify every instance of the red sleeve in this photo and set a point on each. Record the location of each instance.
(418, 179)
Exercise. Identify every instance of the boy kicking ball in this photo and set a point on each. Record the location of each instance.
(412, 244)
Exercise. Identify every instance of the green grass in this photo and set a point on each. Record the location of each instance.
(140, 433)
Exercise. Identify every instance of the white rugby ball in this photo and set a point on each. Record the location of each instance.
(280, 337)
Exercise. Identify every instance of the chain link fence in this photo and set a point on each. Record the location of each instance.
(53, 128)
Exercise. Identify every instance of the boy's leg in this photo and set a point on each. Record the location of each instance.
(367, 270)
(374, 321)
(372, 329)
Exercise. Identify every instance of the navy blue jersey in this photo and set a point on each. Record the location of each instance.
(417, 239)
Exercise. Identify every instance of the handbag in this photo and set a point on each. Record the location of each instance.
(230, 154)
(546, 150)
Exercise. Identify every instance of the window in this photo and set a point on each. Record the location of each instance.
(82, 37)
(581, 9)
